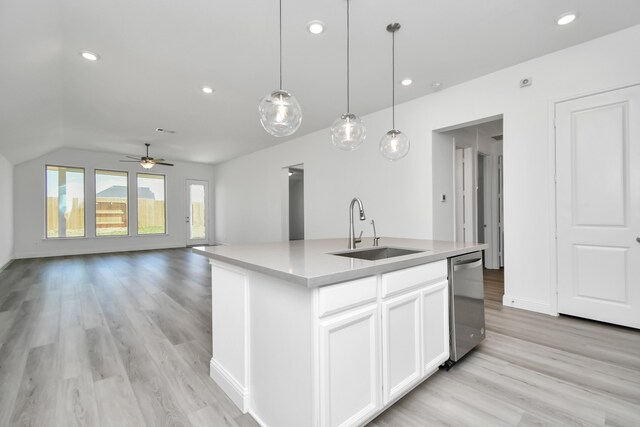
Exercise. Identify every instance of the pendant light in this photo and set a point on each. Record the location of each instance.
(280, 112)
(348, 132)
(394, 145)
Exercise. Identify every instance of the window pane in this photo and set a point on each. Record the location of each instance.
(112, 203)
(197, 214)
(65, 202)
(151, 207)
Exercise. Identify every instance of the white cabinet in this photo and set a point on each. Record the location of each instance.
(401, 349)
(349, 367)
(435, 326)
(333, 356)
(415, 326)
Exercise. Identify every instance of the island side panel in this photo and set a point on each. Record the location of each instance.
(281, 352)
(229, 365)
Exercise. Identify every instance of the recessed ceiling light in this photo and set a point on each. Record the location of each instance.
(406, 82)
(207, 89)
(315, 27)
(436, 85)
(90, 56)
(566, 18)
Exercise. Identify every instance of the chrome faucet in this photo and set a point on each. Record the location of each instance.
(376, 239)
(352, 232)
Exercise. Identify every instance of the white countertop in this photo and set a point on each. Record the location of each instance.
(310, 262)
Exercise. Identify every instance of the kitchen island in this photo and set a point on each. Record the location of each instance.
(305, 336)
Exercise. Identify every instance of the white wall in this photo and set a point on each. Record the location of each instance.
(399, 195)
(6, 211)
(29, 190)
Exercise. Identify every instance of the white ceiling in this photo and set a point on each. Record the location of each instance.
(156, 55)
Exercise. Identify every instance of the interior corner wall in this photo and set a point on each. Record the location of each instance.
(6, 212)
(442, 181)
(29, 207)
(399, 195)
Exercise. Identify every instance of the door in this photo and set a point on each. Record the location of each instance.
(400, 344)
(598, 206)
(197, 212)
(465, 191)
(349, 367)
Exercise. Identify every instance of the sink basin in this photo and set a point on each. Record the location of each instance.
(377, 253)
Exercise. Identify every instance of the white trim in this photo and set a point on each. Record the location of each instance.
(238, 394)
(92, 251)
(6, 265)
(527, 304)
(257, 418)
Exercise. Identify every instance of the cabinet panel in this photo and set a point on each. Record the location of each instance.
(349, 367)
(401, 347)
(334, 298)
(435, 326)
(402, 280)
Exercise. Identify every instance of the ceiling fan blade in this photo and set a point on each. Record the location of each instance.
(130, 161)
(163, 163)
(134, 158)
(157, 160)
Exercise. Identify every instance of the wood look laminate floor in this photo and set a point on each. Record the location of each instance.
(124, 340)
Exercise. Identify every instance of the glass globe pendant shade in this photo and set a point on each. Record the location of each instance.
(394, 145)
(280, 113)
(348, 132)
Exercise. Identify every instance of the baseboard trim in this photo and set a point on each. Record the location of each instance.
(257, 418)
(526, 304)
(236, 392)
(6, 265)
(93, 251)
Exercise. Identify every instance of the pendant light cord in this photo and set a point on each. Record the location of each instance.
(393, 80)
(348, 33)
(280, 44)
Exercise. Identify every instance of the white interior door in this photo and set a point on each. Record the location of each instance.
(197, 214)
(465, 195)
(598, 206)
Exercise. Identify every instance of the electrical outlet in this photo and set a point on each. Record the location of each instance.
(443, 197)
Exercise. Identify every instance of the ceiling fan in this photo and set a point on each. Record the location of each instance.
(146, 161)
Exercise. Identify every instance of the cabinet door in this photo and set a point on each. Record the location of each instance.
(435, 327)
(349, 367)
(400, 344)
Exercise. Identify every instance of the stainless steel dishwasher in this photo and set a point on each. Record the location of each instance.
(466, 304)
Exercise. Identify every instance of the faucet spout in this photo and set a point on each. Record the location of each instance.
(352, 233)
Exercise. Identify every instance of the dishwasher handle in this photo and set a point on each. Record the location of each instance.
(466, 265)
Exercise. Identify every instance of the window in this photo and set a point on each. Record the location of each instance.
(65, 202)
(151, 206)
(112, 203)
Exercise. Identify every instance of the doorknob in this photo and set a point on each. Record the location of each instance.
(638, 239)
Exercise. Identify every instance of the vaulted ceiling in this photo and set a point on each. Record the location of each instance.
(155, 56)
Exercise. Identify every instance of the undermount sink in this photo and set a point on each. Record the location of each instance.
(377, 253)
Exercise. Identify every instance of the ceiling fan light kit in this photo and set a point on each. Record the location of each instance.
(147, 162)
(394, 145)
(280, 113)
(348, 131)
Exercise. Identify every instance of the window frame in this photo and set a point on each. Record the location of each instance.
(95, 199)
(166, 230)
(46, 204)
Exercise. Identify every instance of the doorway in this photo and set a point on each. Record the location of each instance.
(197, 213)
(467, 186)
(296, 202)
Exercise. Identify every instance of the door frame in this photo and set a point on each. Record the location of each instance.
(552, 185)
(187, 201)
